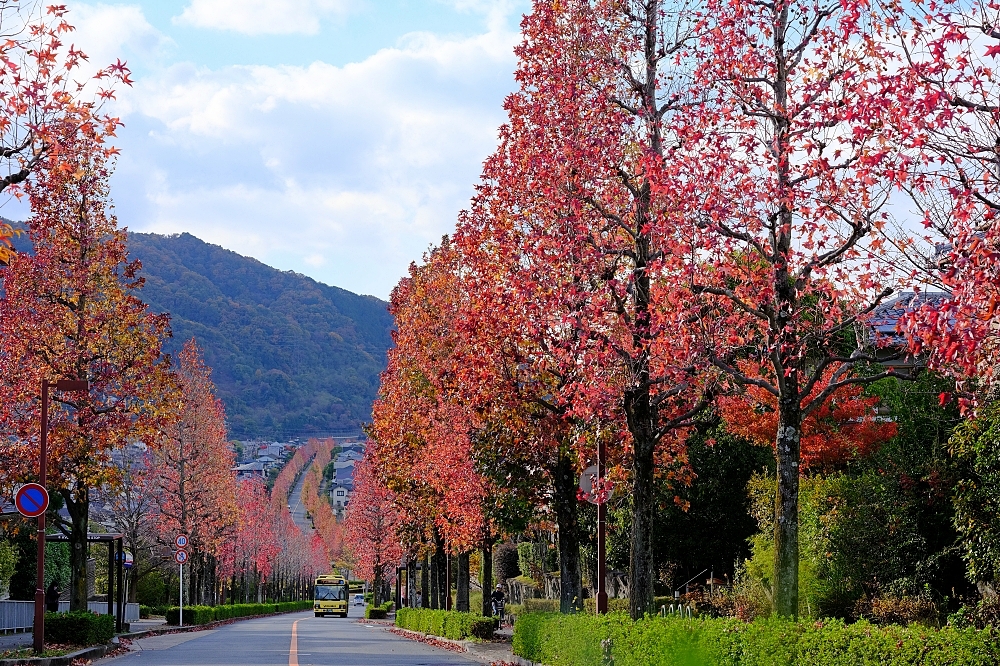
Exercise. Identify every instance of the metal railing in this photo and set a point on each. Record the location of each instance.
(20, 615)
(680, 610)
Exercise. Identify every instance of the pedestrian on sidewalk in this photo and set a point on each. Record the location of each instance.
(52, 597)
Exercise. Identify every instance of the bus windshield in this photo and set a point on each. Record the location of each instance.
(331, 593)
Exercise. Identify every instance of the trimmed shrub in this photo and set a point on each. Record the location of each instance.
(482, 627)
(375, 612)
(192, 615)
(447, 624)
(575, 640)
(242, 610)
(79, 628)
(505, 563)
(205, 614)
(541, 605)
(514, 609)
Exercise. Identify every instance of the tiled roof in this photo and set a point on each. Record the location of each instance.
(886, 316)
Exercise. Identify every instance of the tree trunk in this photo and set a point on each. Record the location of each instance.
(425, 587)
(435, 585)
(786, 524)
(785, 341)
(441, 571)
(462, 583)
(487, 576)
(641, 556)
(641, 413)
(377, 584)
(565, 501)
(78, 507)
(411, 582)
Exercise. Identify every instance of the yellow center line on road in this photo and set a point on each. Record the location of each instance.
(293, 649)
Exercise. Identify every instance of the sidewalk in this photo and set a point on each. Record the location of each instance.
(147, 624)
(24, 638)
(11, 641)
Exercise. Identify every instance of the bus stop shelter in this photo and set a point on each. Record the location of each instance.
(116, 572)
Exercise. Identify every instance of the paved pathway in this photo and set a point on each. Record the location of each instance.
(296, 639)
(11, 641)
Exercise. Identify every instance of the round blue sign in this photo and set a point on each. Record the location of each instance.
(31, 500)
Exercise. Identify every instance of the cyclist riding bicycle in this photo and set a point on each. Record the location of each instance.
(497, 600)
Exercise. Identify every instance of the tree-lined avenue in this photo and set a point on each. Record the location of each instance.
(267, 642)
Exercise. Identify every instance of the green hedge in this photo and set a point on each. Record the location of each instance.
(79, 628)
(378, 612)
(575, 640)
(206, 614)
(447, 624)
(147, 611)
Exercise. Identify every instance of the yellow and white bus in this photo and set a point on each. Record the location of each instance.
(330, 596)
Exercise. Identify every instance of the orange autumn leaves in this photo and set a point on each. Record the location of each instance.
(315, 501)
(845, 426)
(325, 544)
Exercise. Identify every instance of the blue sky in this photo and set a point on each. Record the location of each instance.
(335, 138)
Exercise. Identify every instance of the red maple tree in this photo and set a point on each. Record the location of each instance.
(191, 470)
(372, 521)
(792, 155)
(71, 310)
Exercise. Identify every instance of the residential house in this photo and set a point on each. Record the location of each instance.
(250, 470)
(340, 495)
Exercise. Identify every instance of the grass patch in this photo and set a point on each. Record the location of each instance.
(29, 653)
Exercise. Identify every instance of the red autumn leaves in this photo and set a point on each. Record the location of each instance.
(688, 208)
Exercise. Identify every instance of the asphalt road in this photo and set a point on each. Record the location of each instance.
(295, 506)
(296, 639)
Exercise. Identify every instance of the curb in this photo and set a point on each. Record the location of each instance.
(465, 645)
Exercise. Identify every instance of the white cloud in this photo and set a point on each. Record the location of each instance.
(109, 32)
(261, 17)
(346, 173)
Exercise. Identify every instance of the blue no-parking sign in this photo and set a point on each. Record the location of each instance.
(31, 500)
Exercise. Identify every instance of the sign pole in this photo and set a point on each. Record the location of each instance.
(180, 598)
(39, 625)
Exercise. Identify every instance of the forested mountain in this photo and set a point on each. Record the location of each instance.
(290, 356)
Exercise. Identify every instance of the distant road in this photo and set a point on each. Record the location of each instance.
(269, 642)
(295, 503)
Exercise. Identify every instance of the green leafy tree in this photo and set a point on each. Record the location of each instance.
(8, 563)
(976, 447)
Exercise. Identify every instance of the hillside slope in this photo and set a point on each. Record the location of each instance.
(290, 356)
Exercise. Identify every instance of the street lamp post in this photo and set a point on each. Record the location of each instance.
(61, 385)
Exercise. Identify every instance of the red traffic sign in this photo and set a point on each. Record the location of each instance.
(31, 500)
(181, 556)
(181, 541)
